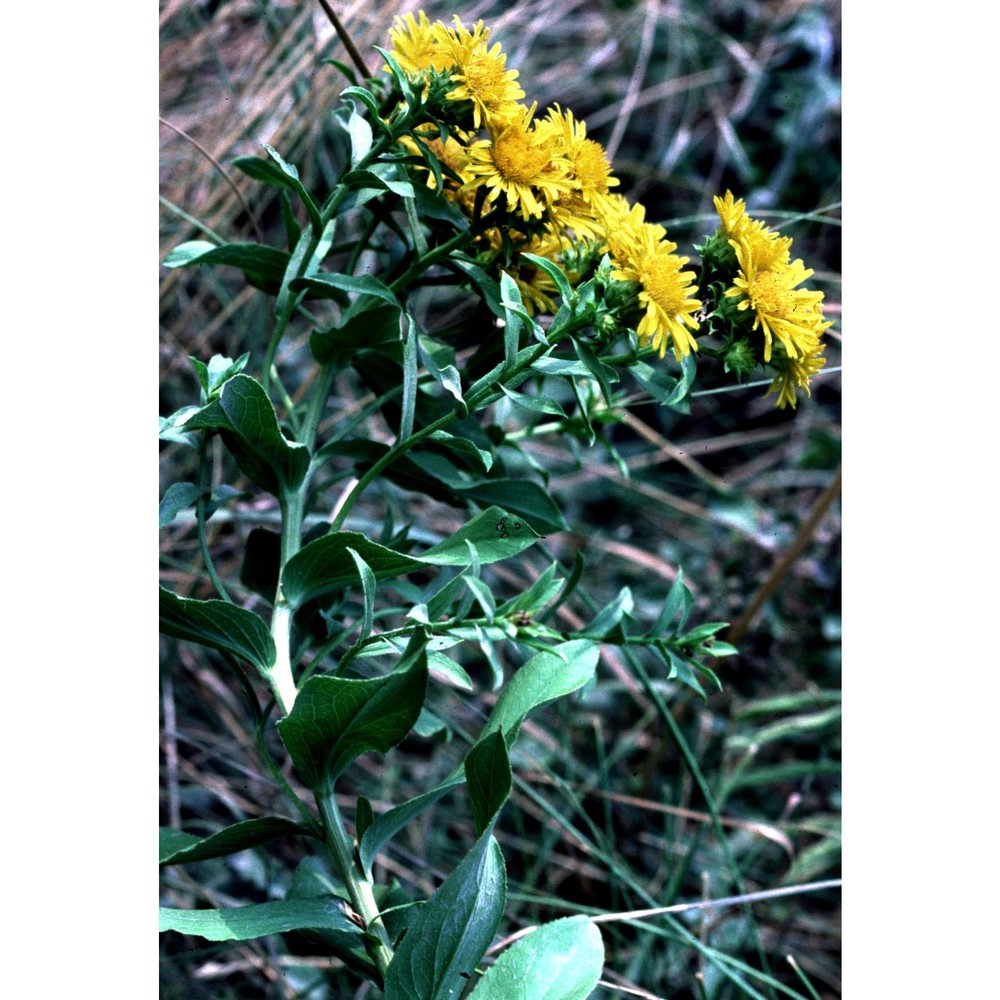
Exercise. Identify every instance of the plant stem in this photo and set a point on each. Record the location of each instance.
(280, 678)
(359, 887)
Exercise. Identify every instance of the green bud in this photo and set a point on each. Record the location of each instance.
(740, 358)
(719, 259)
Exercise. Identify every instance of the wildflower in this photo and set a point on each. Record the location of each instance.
(794, 372)
(782, 310)
(589, 166)
(419, 45)
(641, 252)
(767, 248)
(481, 74)
(768, 283)
(522, 162)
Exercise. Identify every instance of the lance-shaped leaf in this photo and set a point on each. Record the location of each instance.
(263, 266)
(450, 933)
(280, 173)
(488, 775)
(218, 625)
(242, 923)
(561, 960)
(336, 719)
(546, 676)
(326, 564)
(231, 840)
(327, 284)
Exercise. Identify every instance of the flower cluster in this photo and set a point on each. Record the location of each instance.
(549, 182)
(536, 183)
(766, 286)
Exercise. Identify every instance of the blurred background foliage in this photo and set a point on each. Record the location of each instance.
(689, 99)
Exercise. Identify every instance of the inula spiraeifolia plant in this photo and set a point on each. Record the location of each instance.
(457, 191)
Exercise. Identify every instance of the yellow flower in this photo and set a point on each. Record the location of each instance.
(641, 252)
(792, 315)
(482, 75)
(589, 166)
(768, 284)
(766, 247)
(521, 161)
(419, 45)
(794, 372)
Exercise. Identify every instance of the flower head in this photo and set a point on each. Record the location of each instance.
(419, 45)
(521, 161)
(782, 310)
(641, 252)
(481, 74)
(794, 372)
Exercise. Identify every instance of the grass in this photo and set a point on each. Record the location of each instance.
(640, 795)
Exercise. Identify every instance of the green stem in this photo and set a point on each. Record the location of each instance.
(483, 396)
(359, 887)
(281, 678)
(204, 484)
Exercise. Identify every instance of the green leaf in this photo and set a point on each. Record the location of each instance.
(368, 591)
(278, 172)
(260, 449)
(700, 633)
(561, 960)
(536, 597)
(489, 777)
(238, 837)
(607, 624)
(463, 446)
(336, 719)
(554, 271)
(604, 374)
(218, 625)
(515, 316)
(393, 820)
(677, 605)
(363, 816)
(374, 327)
(263, 266)
(409, 406)
(519, 496)
(179, 496)
(536, 404)
(325, 564)
(324, 284)
(450, 933)
(172, 427)
(496, 534)
(546, 676)
(217, 372)
(310, 249)
(366, 97)
(243, 923)
(361, 137)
